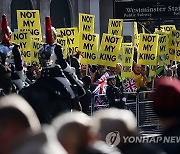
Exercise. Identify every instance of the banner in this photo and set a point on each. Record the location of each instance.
(29, 20)
(88, 46)
(127, 60)
(109, 49)
(86, 23)
(147, 51)
(24, 41)
(35, 47)
(115, 26)
(69, 40)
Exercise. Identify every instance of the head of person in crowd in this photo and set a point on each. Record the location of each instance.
(137, 69)
(169, 72)
(86, 81)
(114, 122)
(16, 117)
(167, 101)
(144, 70)
(72, 130)
(101, 69)
(111, 70)
(118, 68)
(111, 80)
(47, 56)
(115, 126)
(43, 141)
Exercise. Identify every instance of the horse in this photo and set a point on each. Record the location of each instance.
(49, 97)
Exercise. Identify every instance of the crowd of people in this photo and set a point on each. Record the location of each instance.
(45, 109)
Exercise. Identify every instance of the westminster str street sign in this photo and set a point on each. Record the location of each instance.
(147, 10)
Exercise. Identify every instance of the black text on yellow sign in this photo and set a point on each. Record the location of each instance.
(109, 49)
(163, 48)
(86, 23)
(172, 51)
(148, 48)
(66, 32)
(29, 20)
(128, 51)
(88, 46)
(89, 38)
(87, 19)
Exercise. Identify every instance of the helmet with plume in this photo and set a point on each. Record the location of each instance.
(5, 47)
(6, 31)
(47, 50)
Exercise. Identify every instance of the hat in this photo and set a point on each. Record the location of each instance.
(167, 97)
(111, 77)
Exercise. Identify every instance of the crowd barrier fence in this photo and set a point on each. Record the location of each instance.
(140, 103)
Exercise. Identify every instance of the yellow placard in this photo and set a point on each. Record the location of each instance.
(163, 56)
(29, 20)
(69, 40)
(24, 40)
(136, 35)
(86, 23)
(120, 54)
(147, 51)
(35, 47)
(88, 46)
(109, 49)
(115, 26)
(167, 28)
(175, 45)
(127, 60)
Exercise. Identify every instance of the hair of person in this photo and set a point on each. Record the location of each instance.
(110, 120)
(14, 108)
(67, 120)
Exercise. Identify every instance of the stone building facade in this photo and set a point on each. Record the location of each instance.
(64, 13)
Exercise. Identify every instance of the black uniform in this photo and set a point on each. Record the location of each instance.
(115, 97)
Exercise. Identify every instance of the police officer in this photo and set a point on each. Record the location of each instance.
(114, 95)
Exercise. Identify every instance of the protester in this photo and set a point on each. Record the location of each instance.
(98, 73)
(167, 106)
(139, 77)
(119, 78)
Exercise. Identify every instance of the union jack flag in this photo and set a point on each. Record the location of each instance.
(101, 85)
(130, 86)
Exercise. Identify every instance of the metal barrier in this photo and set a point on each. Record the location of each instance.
(140, 103)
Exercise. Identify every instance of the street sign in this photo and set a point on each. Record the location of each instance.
(147, 10)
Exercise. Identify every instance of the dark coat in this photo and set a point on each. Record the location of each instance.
(115, 96)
